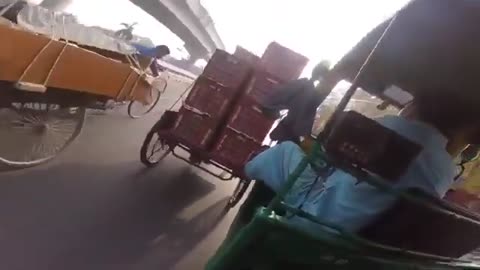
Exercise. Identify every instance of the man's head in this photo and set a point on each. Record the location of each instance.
(320, 70)
(455, 115)
(162, 51)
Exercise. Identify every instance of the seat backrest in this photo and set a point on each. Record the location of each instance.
(434, 227)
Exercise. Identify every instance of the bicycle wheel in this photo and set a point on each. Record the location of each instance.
(238, 193)
(154, 149)
(137, 109)
(34, 133)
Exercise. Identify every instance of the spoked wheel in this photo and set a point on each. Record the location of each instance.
(137, 109)
(238, 193)
(154, 149)
(34, 133)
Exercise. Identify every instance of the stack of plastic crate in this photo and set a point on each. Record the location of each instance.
(247, 126)
(282, 62)
(247, 56)
(247, 116)
(210, 100)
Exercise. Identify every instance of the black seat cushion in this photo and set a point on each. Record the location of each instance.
(434, 227)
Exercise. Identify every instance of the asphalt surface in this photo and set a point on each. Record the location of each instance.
(97, 207)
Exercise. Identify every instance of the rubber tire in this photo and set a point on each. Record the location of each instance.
(238, 193)
(143, 151)
(6, 165)
(130, 105)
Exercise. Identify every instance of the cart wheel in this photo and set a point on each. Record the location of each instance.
(34, 133)
(238, 193)
(137, 109)
(154, 148)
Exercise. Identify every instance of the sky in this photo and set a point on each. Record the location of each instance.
(319, 29)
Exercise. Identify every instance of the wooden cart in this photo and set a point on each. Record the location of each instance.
(46, 86)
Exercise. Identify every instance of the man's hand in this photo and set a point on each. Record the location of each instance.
(307, 144)
(154, 68)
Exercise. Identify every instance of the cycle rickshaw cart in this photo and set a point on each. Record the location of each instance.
(429, 44)
(220, 124)
(161, 141)
(48, 82)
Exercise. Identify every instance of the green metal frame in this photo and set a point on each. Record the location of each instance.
(269, 242)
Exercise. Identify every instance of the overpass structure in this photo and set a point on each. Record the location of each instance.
(57, 5)
(188, 19)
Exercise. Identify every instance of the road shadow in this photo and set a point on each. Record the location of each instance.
(86, 216)
(180, 237)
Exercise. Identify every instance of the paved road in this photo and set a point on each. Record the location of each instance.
(97, 207)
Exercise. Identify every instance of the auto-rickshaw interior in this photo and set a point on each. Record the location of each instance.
(427, 47)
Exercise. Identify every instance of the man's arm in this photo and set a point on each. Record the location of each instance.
(154, 68)
(280, 97)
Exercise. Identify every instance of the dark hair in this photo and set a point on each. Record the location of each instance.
(321, 69)
(164, 49)
(449, 111)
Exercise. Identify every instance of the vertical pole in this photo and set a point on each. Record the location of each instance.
(334, 119)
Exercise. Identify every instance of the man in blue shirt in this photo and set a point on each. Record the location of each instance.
(301, 98)
(155, 53)
(442, 124)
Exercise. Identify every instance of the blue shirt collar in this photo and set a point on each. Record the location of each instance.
(416, 131)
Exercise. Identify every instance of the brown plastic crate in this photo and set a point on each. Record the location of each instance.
(227, 69)
(210, 97)
(194, 129)
(283, 62)
(261, 85)
(234, 150)
(248, 118)
(247, 56)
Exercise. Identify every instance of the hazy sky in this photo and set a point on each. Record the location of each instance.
(320, 29)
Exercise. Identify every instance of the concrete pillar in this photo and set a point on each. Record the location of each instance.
(57, 5)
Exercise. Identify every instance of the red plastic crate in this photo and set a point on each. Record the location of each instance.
(247, 56)
(227, 69)
(194, 129)
(210, 97)
(234, 150)
(283, 62)
(260, 85)
(248, 119)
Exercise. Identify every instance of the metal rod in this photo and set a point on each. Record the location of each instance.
(334, 119)
(181, 96)
(210, 162)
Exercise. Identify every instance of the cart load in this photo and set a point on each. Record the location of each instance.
(221, 121)
(35, 62)
(62, 25)
(96, 39)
